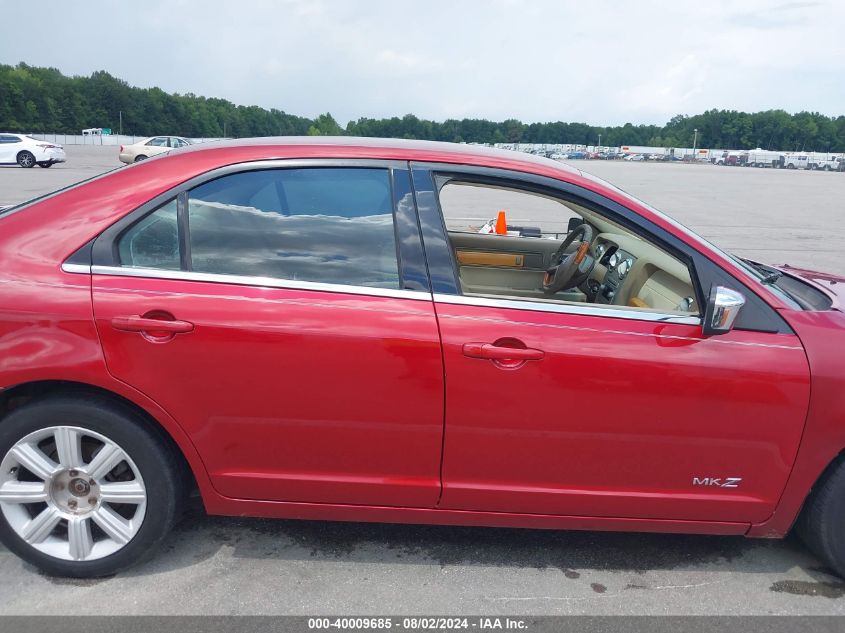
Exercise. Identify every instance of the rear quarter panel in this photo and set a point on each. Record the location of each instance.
(47, 330)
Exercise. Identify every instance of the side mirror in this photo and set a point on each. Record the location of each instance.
(723, 307)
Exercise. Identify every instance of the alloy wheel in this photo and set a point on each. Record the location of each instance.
(26, 160)
(72, 493)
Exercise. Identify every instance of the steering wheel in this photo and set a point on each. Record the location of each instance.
(570, 270)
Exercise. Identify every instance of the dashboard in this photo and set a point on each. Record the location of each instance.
(618, 263)
(632, 272)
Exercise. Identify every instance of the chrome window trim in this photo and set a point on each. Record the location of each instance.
(418, 295)
(570, 308)
(243, 280)
(77, 269)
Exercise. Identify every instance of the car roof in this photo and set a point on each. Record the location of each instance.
(381, 147)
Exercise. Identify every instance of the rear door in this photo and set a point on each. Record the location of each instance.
(283, 317)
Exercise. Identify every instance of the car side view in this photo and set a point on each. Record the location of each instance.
(149, 147)
(26, 151)
(316, 328)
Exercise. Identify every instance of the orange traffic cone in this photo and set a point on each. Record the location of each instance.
(501, 224)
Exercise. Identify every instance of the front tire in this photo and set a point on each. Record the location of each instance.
(87, 487)
(26, 159)
(821, 520)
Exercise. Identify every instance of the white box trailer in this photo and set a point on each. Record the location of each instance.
(765, 158)
(643, 149)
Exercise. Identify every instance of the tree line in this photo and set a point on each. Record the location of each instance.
(34, 100)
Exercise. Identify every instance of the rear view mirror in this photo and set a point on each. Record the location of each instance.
(574, 223)
(723, 307)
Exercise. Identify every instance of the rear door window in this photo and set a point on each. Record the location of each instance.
(328, 225)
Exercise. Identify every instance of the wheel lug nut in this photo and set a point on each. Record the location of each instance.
(92, 501)
(91, 482)
(71, 503)
(73, 473)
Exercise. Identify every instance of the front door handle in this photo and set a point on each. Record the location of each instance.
(146, 324)
(491, 351)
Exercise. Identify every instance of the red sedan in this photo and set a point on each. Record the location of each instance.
(316, 329)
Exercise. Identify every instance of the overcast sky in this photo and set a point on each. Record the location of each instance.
(597, 61)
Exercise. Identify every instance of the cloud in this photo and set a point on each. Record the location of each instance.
(782, 16)
(604, 61)
(679, 84)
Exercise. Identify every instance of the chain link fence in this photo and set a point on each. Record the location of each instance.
(102, 139)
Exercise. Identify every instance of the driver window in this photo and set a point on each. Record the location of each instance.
(538, 258)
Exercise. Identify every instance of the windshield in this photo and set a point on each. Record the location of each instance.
(757, 272)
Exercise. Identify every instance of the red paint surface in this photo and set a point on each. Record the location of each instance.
(291, 394)
(334, 407)
(618, 416)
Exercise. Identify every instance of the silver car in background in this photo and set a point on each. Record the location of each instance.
(150, 147)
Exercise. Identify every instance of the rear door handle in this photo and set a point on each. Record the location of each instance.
(494, 352)
(144, 324)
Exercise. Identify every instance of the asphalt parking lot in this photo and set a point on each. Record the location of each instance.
(775, 216)
(213, 565)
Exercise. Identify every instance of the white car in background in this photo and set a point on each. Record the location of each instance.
(150, 147)
(29, 152)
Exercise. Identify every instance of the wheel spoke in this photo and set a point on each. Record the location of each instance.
(39, 528)
(114, 525)
(23, 492)
(104, 461)
(123, 492)
(69, 447)
(79, 538)
(36, 462)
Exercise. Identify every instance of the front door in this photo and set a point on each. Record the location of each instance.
(266, 312)
(605, 399)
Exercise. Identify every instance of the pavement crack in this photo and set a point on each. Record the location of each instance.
(558, 598)
(692, 586)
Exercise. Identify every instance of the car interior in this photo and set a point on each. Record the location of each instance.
(557, 251)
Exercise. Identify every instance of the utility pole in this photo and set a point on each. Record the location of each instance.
(599, 147)
(694, 141)
(121, 122)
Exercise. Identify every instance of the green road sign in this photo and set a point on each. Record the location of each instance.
(106, 130)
